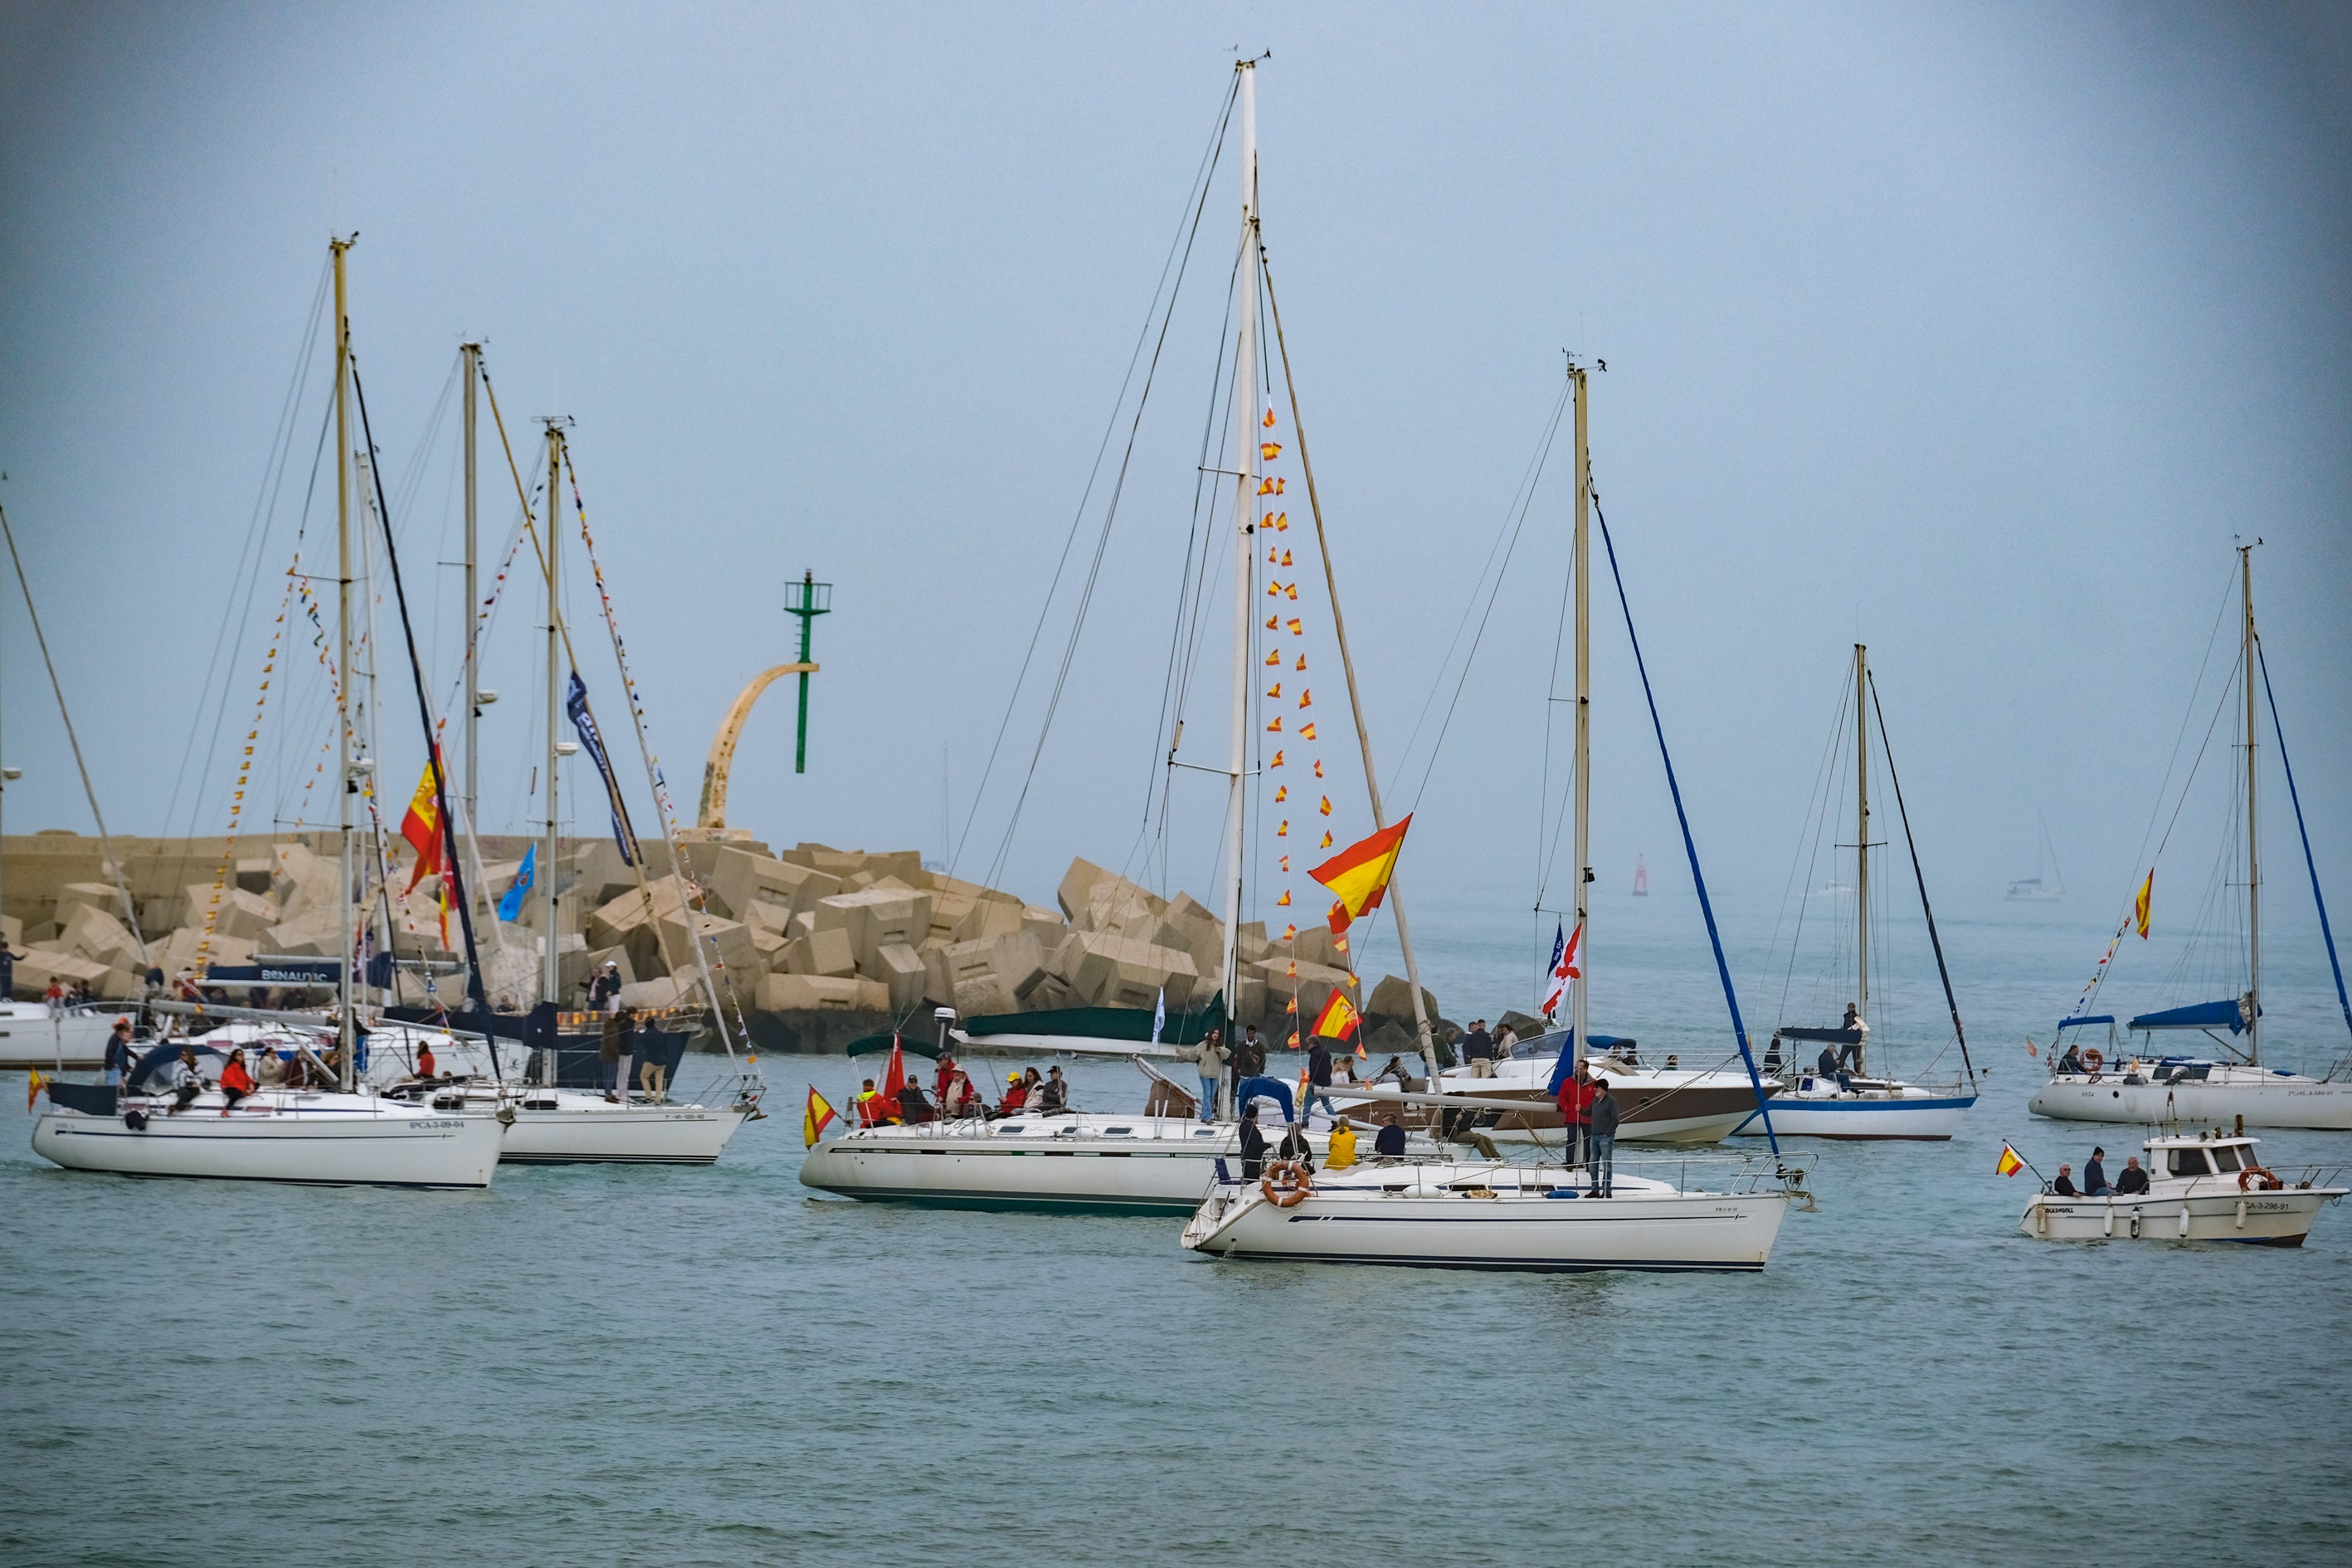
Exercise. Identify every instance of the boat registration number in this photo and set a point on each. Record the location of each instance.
(447, 1124)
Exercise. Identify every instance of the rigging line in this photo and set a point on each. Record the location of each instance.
(452, 879)
(1525, 503)
(1094, 570)
(265, 505)
(1201, 179)
(1817, 810)
(1525, 488)
(2222, 704)
(1950, 1000)
(1187, 635)
(2326, 932)
(2188, 716)
(1545, 861)
(1690, 846)
(105, 843)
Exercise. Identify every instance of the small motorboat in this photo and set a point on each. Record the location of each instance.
(2202, 1186)
(1498, 1215)
(35, 1035)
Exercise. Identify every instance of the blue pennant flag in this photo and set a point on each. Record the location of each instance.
(511, 907)
(576, 704)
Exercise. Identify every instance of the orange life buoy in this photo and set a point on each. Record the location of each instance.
(1286, 1184)
(2271, 1182)
(2094, 1061)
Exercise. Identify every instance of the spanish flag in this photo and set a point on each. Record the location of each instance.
(1339, 1018)
(33, 1082)
(1358, 875)
(815, 1118)
(1269, 450)
(1284, 900)
(422, 829)
(2139, 905)
(2011, 1161)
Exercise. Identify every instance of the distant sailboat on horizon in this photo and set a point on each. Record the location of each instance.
(2036, 888)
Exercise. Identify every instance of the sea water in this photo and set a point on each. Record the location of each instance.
(718, 1366)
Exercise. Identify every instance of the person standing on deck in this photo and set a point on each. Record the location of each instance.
(1209, 1058)
(626, 1054)
(120, 1053)
(1253, 1145)
(8, 970)
(1601, 1140)
(1319, 1078)
(1576, 1098)
(1478, 1049)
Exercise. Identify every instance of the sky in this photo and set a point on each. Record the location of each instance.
(1978, 334)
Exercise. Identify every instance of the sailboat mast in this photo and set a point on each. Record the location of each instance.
(470, 354)
(1861, 841)
(346, 1035)
(551, 972)
(1245, 465)
(2254, 1005)
(1580, 559)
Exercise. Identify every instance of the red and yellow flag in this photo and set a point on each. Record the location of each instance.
(1339, 1019)
(2009, 1164)
(2139, 904)
(422, 828)
(1358, 875)
(815, 1118)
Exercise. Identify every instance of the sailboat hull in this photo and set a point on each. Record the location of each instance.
(2261, 1097)
(326, 1140)
(1818, 1108)
(1650, 1228)
(579, 1129)
(31, 1037)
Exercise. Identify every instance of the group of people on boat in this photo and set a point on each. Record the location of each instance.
(2131, 1180)
(953, 1097)
(1388, 1145)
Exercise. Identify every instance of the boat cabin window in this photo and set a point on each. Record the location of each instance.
(2188, 1163)
(2226, 1160)
(1118, 1132)
(1205, 1132)
(1011, 1127)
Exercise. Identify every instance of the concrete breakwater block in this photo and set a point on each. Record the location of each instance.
(817, 993)
(238, 913)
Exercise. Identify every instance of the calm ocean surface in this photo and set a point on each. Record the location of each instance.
(713, 1367)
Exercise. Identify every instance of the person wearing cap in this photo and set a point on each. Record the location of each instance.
(604, 989)
(1055, 1098)
(869, 1105)
(1016, 1094)
(120, 1053)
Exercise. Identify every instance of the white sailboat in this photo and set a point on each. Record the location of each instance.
(36, 1036)
(2046, 885)
(348, 1135)
(2139, 1082)
(1456, 1213)
(1094, 1161)
(1824, 1099)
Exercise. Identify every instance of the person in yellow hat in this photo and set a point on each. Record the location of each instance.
(1016, 1096)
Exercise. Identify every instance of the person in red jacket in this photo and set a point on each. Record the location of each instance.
(235, 1083)
(1576, 1097)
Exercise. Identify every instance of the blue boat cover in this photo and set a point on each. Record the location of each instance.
(1273, 1088)
(2197, 1015)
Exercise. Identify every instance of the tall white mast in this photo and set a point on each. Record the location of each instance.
(1861, 845)
(346, 991)
(1245, 466)
(551, 974)
(2254, 1005)
(1580, 558)
(470, 357)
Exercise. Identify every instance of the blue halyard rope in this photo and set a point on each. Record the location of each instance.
(2326, 933)
(1698, 879)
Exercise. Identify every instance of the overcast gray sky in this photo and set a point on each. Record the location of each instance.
(1976, 333)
